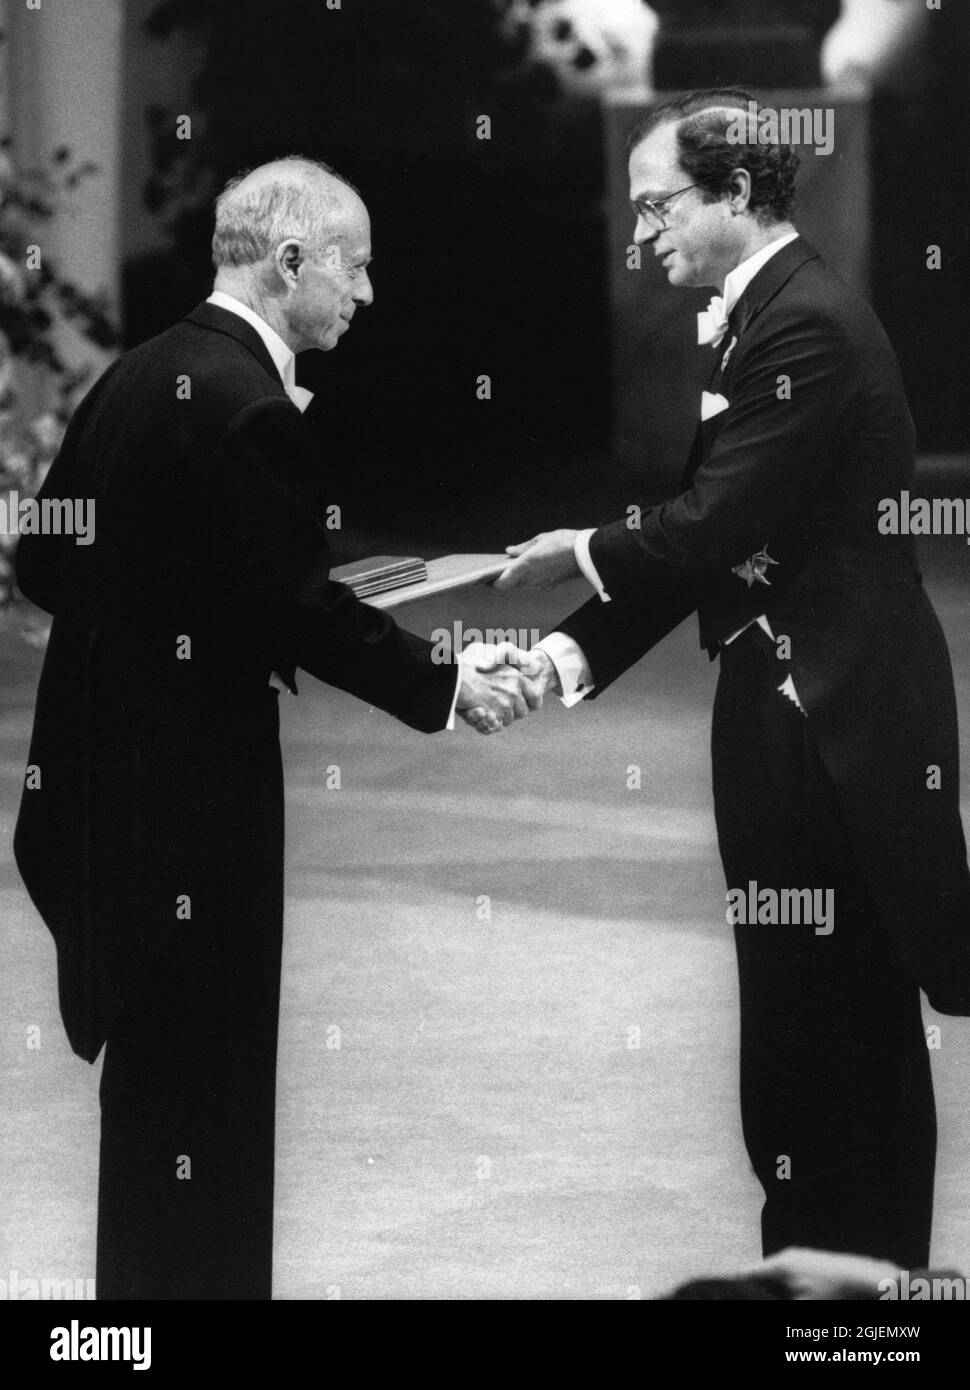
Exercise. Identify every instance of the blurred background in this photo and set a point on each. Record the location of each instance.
(503, 256)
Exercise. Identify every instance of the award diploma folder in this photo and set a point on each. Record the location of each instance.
(391, 580)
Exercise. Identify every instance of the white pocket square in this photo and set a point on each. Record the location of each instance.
(712, 404)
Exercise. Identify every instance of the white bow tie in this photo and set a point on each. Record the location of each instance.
(712, 322)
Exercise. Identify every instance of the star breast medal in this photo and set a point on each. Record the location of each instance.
(754, 567)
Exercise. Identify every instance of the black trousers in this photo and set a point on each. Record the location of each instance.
(185, 1198)
(836, 1095)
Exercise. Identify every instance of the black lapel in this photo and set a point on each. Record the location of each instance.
(772, 277)
(694, 458)
(768, 281)
(225, 321)
(757, 293)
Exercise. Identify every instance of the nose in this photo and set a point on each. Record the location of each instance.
(364, 290)
(644, 231)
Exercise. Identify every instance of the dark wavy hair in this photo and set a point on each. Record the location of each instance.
(709, 158)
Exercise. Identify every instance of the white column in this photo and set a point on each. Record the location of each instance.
(63, 64)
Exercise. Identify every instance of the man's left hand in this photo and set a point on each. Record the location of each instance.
(546, 560)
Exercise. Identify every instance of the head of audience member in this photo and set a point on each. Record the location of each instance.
(292, 241)
(721, 194)
(732, 1289)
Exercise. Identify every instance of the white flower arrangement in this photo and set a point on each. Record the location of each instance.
(592, 45)
(33, 305)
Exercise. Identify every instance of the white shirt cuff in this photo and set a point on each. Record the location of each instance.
(451, 718)
(585, 562)
(571, 665)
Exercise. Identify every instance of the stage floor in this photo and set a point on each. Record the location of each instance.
(538, 1105)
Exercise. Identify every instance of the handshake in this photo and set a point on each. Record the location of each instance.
(502, 683)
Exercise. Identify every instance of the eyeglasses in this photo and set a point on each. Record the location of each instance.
(653, 212)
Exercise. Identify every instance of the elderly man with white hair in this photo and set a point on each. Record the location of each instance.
(151, 828)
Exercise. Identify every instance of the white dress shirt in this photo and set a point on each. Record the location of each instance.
(285, 363)
(283, 359)
(566, 655)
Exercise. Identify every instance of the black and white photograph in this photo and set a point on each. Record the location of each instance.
(484, 663)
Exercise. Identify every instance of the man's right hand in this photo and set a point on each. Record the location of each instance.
(542, 671)
(497, 686)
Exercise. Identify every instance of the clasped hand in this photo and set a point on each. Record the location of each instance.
(500, 684)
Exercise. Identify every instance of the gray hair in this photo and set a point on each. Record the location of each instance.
(293, 201)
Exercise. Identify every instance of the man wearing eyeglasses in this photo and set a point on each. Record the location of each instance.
(834, 740)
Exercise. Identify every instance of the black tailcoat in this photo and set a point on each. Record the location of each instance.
(156, 731)
(817, 431)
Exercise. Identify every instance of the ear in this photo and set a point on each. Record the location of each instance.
(289, 258)
(740, 194)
